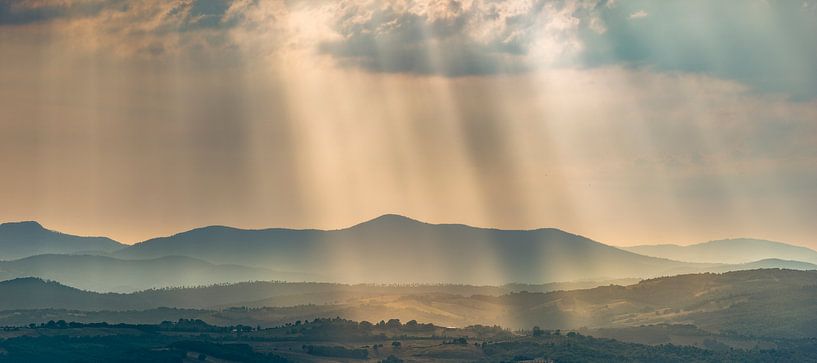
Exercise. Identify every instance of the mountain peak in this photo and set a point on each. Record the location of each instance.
(394, 217)
(23, 239)
(389, 220)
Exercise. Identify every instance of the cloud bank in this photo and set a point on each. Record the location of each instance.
(767, 45)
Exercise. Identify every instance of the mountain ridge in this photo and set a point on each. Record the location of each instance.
(732, 250)
(390, 247)
(30, 238)
(108, 274)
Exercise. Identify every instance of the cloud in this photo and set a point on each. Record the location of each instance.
(31, 11)
(451, 38)
(149, 28)
(767, 45)
(185, 14)
(639, 14)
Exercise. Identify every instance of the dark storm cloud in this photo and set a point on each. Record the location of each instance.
(444, 37)
(154, 29)
(180, 15)
(766, 45)
(15, 12)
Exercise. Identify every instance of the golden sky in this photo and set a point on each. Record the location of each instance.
(146, 118)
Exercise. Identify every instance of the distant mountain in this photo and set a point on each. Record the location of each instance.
(23, 239)
(732, 251)
(387, 249)
(394, 249)
(107, 274)
(765, 264)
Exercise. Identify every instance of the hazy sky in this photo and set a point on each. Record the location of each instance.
(629, 121)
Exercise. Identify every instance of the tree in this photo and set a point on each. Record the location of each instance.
(391, 359)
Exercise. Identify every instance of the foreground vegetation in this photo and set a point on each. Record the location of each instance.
(340, 339)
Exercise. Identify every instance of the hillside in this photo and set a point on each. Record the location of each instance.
(768, 302)
(731, 251)
(24, 239)
(765, 263)
(34, 293)
(397, 249)
(267, 293)
(107, 274)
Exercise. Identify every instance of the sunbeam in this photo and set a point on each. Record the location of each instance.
(494, 180)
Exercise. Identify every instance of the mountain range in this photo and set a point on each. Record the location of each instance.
(387, 249)
(736, 250)
(396, 249)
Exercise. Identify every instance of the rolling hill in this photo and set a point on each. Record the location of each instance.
(34, 293)
(732, 251)
(396, 249)
(270, 293)
(765, 263)
(107, 274)
(24, 239)
(766, 302)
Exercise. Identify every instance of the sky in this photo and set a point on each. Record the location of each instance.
(629, 122)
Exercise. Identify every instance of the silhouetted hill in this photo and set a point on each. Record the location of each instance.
(393, 249)
(733, 251)
(387, 249)
(107, 274)
(23, 239)
(766, 263)
(35, 293)
(279, 294)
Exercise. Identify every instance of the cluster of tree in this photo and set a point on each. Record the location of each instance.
(539, 332)
(172, 341)
(123, 348)
(335, 329)
(230, 352)
(198, 325)
(391, 359)
(458, 341)
(182, 325)
(574, 347)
